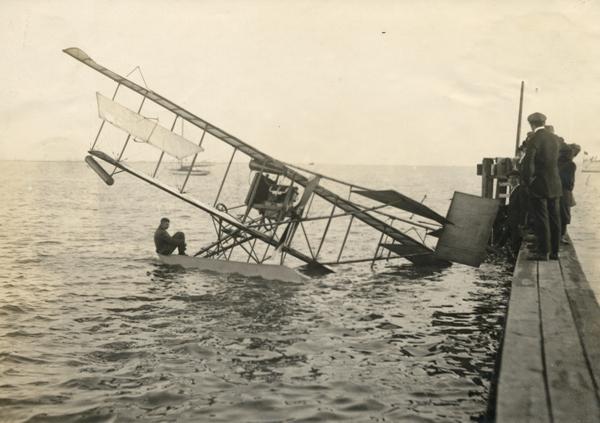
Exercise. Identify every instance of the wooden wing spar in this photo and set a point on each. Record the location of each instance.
(276, 210)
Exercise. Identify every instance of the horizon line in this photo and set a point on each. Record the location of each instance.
(240, 162)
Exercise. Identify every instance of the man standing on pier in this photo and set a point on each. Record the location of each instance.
(543, 182)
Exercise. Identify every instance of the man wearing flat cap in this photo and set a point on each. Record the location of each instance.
(541, 177)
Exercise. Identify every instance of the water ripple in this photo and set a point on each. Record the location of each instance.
(98, 331)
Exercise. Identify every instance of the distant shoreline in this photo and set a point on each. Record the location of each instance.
(245, 162)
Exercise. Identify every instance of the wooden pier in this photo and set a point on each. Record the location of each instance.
(550, 363)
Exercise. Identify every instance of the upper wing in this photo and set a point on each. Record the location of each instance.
(169, 105)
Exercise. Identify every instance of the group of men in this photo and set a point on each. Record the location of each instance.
(547, 196)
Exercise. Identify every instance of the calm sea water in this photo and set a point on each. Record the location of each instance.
(585, 227)
(93, 328)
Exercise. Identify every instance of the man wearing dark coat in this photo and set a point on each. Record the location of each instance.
(566, 170)
(165, 244)
(543, 182)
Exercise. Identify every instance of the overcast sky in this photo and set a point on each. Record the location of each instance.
(371, 82)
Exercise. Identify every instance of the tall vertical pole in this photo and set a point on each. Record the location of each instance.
(519, 118)
(487, 179)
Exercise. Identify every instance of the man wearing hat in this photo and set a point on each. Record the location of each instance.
(541, 177)
(566, 170)
(165, 243)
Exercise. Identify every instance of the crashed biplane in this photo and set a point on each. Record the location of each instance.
(274, 222)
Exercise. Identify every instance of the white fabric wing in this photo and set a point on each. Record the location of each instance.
(144, 129)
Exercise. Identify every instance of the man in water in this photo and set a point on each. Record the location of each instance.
(165, 243)
(541, 176)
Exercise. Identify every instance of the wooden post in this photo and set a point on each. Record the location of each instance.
(487, 180)
(519, 118)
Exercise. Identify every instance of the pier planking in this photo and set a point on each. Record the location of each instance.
(585, 308)
(550, 361)
(521, 386)
(572, 394)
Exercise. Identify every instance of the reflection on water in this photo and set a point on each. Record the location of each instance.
(408, 271)
(92, 328)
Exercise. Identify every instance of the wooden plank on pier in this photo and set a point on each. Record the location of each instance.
(521, 387)
(550, 364)
(570, 387)
(584, 306)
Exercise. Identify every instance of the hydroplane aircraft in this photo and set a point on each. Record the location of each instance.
(272, 229)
